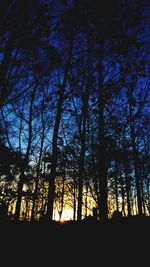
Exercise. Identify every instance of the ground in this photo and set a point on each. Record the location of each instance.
(116, 242)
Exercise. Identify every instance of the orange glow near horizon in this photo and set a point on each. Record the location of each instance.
(67, 215)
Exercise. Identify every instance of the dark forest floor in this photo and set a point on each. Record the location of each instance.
(121, 230)
(135, 225)
(115, 242)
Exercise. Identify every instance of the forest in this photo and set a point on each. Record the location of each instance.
(74, 110)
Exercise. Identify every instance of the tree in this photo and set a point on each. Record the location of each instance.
(20, 34)
(61, 94)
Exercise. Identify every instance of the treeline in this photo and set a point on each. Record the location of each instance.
(74, 110)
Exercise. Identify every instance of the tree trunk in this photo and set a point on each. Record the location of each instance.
(135, 160)
(74, 195)
(51, 190)
(81, 173)
(121, 179)
(116, 188)
(103, 206)
(4, 70)
(37, 176)
(128, 186)
(22, 175)
(62, 196)
(82, 132)
(18, 204)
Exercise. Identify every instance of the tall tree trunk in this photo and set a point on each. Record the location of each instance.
(143, 200)
(135, 160)
(128, 186)
(27, 209)
(116, 188)
(121, 179)
(22, 175)
(82, 152)
(74, 194)
(102, 169)
(4, 70)
(62, 196)
(127, 181)
(81, 173)
(148, 194)
(86, 199)
(95, 180)
(142, 188)
(51, 190)
(37, 175)
(19, 198)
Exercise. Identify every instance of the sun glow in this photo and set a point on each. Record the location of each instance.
(67, 215)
